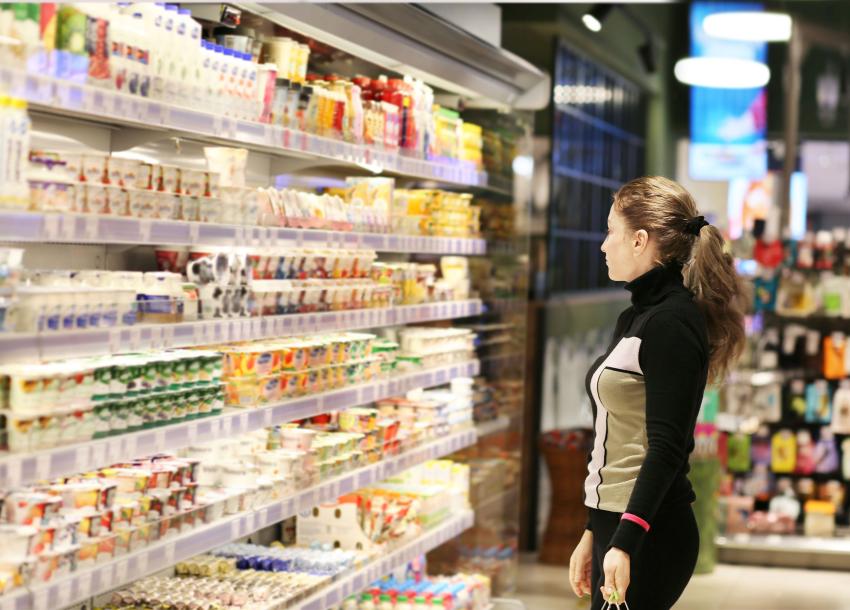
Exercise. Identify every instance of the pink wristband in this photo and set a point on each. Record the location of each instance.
(635, 519)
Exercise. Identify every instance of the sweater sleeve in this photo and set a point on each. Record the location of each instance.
(673, 361)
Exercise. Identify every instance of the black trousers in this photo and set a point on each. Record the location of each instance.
(660, 568)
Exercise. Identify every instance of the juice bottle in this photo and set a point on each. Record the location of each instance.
(97, 42)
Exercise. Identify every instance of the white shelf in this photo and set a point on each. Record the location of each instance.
(66, 98)
(81, 585)
(363, 577)
(19, 469)
(500, 424)
(57, 345)
(20, 226)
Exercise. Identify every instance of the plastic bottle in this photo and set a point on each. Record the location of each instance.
(140, 78)
(152, 27)
(171, 52)
(228, 70)
(366, 602)
(246, 92)
(117, 45)
(15, 128)
(6, 113)
(255, 96)
(223, 74)
(208, 76)
(23, 128)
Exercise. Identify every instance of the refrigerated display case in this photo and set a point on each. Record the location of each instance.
(151, 225)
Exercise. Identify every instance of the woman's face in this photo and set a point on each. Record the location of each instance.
(627, 253)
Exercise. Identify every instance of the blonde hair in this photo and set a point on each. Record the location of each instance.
(663, 208)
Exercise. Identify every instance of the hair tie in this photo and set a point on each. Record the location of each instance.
(695, 225)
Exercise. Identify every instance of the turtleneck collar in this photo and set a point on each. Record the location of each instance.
(651, 287)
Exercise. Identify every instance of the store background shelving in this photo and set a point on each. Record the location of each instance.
(60, 344)
(88, 117)
(22, 468)
(52, 95)
(86, 583)
(94, 229)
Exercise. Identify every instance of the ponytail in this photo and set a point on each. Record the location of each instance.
(719, 292)
(667, 212)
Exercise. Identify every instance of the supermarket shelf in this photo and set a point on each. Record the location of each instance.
(360, 579)
(18, 226)
(62, 97)
(29, 347)
(506, 498)
(19, 469)
(502, 185)
(79, 586)
(500, 424)
(785, 551)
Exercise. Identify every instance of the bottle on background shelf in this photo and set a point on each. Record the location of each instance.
(826, 452)
(841, 409)
(805, 453)
(818, 402)
(783, 452)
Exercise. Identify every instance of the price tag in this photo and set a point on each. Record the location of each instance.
(83, 584)
(42, 466)
(119, 107)
(50, 227)
(98, 455)
(156, 341)
(235, 529)
(168, 336)
(121, 571)
(142, 564)
(192, 432)
(12, 474)
(169, 554)
(135, 339)
(200, 332)
(39, 598)
(226, 427)
(82, 457)
(194, 232)
(92, 228)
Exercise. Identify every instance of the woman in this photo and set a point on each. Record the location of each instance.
(685, 326)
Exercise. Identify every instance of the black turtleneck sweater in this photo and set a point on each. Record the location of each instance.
(646, 392)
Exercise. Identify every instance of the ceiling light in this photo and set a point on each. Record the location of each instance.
(722, 72)
(595, 16)
(749, 26)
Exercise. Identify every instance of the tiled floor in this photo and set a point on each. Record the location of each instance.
(728, 588)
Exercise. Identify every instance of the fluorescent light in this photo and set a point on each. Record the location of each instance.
(749, 26)
(591, 23)
(722, 72)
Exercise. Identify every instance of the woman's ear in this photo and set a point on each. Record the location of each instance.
(640, 241)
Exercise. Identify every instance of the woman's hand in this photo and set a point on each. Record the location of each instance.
(580, 565)
(617, 567)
